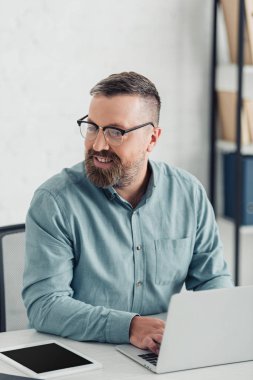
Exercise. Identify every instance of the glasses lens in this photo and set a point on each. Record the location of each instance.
(88, 131)
(113, 136)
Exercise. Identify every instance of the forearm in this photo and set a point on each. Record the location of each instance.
(67, 317)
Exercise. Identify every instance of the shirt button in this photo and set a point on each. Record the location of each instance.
(138, 247)
(139, 283)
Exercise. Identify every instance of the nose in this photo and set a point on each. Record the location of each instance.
(100, 143)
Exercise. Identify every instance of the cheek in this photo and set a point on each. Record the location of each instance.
(138, 146)
(88, 145)
(130, 155)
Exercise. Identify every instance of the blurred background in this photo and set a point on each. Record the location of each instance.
(54, 51)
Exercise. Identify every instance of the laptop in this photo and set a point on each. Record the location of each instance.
(204, 328)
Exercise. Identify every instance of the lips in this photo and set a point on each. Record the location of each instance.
(102, 162)
(103, 159)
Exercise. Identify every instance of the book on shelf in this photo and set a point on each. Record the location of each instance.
(231, 12)
(248, 104)
(227, 107)
(249, 21)
(229, 192)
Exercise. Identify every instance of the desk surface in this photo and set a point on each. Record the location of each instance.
(116, 365)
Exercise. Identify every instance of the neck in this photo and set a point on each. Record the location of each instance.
(134, 192)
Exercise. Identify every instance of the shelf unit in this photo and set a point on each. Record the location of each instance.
(243, 229)
(230, 77)
(227, 76)
(226, 147)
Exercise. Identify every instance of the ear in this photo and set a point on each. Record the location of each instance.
(153, 139)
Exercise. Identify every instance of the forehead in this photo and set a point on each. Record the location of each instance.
(120, 109)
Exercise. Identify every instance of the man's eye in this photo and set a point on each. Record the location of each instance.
(91, 128)
(114, 133)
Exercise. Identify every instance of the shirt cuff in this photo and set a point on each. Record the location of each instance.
(117, 327)
(216, 283)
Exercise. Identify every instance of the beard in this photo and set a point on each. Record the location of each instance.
(118, 175)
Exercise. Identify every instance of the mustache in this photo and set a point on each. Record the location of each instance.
(103, 153)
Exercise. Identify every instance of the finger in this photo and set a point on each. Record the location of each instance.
(159, 323)
(156, 332)
(157, 338)
(151, 345)
(159, 331)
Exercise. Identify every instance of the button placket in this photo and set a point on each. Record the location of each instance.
(138, 262)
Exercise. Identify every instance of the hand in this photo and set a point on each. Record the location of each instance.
(146, 333)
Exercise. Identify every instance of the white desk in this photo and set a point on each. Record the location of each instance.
(117, 366)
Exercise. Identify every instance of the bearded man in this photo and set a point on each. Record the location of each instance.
(110, 240)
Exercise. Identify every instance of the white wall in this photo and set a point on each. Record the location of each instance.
(54, 51)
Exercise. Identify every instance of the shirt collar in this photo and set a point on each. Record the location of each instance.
(110, 192)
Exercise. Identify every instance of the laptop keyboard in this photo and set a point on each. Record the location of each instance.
(151, 358)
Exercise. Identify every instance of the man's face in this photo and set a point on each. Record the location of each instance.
(118, 166)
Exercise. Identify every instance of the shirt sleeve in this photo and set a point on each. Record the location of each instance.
(208, 268)
(47, 293)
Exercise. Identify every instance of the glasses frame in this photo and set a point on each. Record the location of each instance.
(122, 131)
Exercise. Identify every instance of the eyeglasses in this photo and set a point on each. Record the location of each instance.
(113, 135)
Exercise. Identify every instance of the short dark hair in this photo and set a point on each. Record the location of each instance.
(129, 83)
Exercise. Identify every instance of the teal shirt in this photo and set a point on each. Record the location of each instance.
(93, 262)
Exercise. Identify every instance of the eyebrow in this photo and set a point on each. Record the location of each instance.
(109, 125)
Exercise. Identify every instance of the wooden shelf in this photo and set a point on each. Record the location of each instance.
(227, 146)
(226, 79)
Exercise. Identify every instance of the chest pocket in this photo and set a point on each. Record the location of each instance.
(173, 258)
